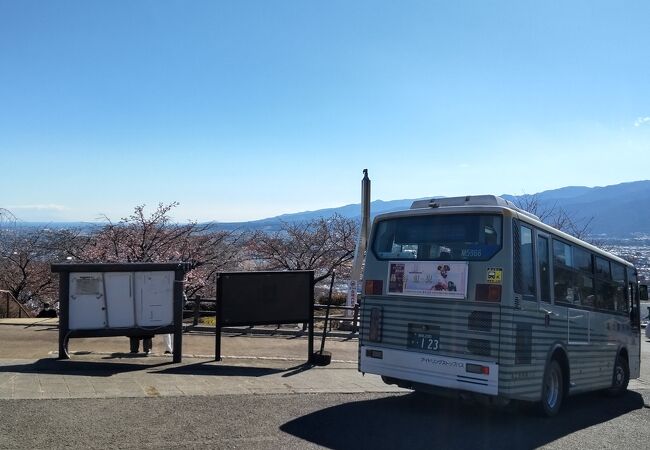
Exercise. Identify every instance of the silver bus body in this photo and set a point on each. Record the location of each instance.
(429, 337)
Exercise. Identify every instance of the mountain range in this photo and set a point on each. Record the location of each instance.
(620, 210)
(616, 211)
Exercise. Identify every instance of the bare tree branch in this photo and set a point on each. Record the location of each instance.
(322, 245)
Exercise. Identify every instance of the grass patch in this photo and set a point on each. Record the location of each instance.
(211, 321)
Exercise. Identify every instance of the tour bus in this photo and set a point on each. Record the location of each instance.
(475, 296)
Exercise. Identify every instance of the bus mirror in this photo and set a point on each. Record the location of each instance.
(643, 292)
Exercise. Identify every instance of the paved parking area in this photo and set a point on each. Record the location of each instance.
(99, 368)
(92, 377)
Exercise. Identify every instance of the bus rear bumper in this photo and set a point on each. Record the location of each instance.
(431, 369)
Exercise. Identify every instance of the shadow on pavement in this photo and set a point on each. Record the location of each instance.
(43, 328)
(298, 369)
(83, 368)
(210, 368)
(120, 364)
(139, 356)
(419, 421)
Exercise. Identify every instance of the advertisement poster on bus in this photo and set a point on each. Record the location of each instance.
(428, 278)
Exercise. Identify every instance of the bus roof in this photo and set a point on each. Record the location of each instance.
(470, 200)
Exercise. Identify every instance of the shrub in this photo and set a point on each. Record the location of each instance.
(338, 299)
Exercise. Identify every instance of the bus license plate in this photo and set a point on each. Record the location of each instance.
(424, 338)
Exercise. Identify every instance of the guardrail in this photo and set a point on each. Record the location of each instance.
(195, 312)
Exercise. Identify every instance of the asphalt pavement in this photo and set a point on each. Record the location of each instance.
(264, 395)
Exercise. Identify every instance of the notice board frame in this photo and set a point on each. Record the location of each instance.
(176, 328)
(224, 295)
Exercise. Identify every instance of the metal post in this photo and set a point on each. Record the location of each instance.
(178, 315)
(197, 306)
(310, 342)
(327, 313)
(217, 322)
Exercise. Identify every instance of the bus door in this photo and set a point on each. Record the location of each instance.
(553, 317)
(536, 315)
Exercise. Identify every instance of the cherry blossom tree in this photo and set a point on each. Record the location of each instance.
(322, 245)
(25, 254)
(555, 216)
(154, 237)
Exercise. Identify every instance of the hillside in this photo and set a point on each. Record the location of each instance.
(619, 210)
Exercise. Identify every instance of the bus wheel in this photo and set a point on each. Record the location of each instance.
(621, 377)
(552, 389)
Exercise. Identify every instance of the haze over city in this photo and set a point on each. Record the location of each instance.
(246, 110)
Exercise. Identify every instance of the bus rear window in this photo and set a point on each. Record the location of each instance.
(438, 237)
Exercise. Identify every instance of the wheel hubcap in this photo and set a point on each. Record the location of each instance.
(619, 376)
(552, 389)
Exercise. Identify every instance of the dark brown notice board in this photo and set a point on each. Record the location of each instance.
(259, 298)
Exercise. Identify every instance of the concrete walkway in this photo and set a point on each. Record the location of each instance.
(107, 377)
(100, 368)
(256, 364)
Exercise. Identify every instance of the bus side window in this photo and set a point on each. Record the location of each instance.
(621, 303)
(544, 269)
(635, 292)
(562, 272)
(583, 277)
(606, 287)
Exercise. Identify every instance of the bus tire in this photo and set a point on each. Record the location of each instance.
(620, 378)
(552, 389)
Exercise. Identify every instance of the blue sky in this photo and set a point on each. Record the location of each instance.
(249, 109)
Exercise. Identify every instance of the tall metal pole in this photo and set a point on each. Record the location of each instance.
(362, 243)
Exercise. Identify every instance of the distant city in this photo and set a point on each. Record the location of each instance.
(636, 250)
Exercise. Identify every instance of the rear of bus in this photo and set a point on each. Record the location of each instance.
(434, 282)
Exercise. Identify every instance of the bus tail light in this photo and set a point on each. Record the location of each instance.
(373, 287)
(488, 293)
(477, 368)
